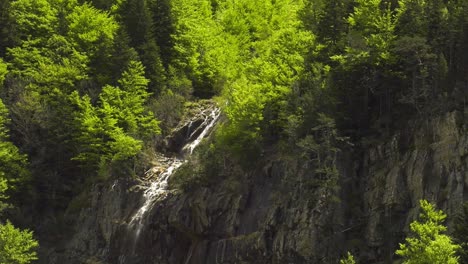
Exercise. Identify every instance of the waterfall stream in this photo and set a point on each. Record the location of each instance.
(158, 188)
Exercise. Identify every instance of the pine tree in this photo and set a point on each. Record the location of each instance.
(348, 260)
(114, 130)
(140, 27)
(163, 29)
(428, 243)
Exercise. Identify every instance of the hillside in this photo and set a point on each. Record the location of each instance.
(232, 131)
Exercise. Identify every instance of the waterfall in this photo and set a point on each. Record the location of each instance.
(158, 188)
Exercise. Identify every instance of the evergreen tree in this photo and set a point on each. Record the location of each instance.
(332, 25)
(428, 243)
(348, 260)
(113, 131)
(139, 24)
(163, 29)
(16, 246)
(34, 19)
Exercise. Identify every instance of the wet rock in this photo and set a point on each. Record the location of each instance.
(190, 127)
(272, 216)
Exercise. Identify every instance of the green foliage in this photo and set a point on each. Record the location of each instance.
(59, 65)
(269, 47)
(348, 260)
(113, 131)
(90, 29)
(12, 163)
(302, 72)
(16, 246)
(3, 188)
(331, 23)
(34, 18)
(163, 29)
(8, 34)
(371, 32)
(321, 147)
(420, 66)
(3, 71)
(427, 243)
(199, 46)
(137, 18)
(131, 104)
(411, 17)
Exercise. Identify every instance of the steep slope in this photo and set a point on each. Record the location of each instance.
(424, 160)
(272, 214)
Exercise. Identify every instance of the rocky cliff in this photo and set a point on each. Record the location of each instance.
(272, 214)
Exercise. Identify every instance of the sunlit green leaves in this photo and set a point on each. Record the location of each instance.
(34, 18)
(116, 127)
(58, 64)
(16, 246)
(90, 28)
(3, 71)
(199, 45)
(271, 45)
(428, 243)
(348, 260)
(375, 25)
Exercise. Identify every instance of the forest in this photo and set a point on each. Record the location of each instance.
(89, 89)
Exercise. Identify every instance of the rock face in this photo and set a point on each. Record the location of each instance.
(272, 215)
(190, 128)
(427, 160)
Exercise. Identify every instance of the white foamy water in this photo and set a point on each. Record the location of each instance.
(159, 186)
(155, 190)
(209, 122)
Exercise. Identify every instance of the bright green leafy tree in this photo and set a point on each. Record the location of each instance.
(371, 32)
(90, 29)
(16, 246)
(34, 19)
(270, 44)
(428, 244)
(205, 52)
(114, 130)
(349, 259)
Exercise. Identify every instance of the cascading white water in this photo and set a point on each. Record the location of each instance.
(208, 123)
(155, 190)
(159, 187)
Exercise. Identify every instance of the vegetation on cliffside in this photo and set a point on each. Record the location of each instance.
(89, 88)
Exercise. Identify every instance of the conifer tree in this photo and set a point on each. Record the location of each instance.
(428, 243)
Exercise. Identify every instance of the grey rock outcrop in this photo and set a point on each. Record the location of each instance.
(271, 214)
(427, 160)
